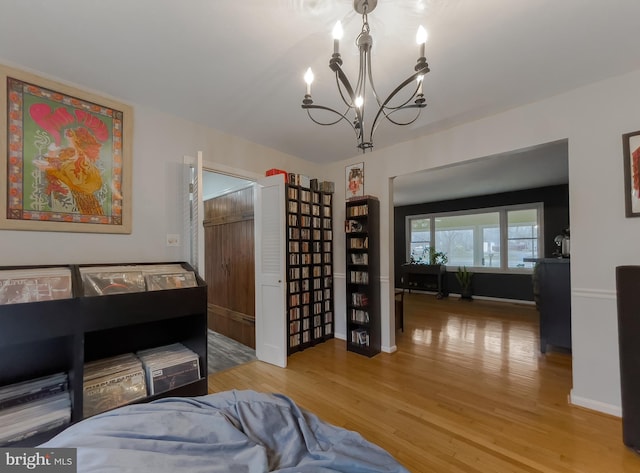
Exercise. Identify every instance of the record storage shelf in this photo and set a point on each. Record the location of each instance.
(43, 338)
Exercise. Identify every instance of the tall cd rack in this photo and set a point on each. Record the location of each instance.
(310, 311)
(362, 228)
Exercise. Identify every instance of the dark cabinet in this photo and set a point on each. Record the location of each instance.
(628, 300)
(552, 292)
(363, 275)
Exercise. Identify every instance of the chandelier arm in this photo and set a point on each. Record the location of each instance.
(373, 87)
(402, 105)
(381, 110)
(341, 77)
(387, 115)
(342, 96)
(321, 107)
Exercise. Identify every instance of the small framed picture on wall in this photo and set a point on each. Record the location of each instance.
(354, 180)
(631, 151)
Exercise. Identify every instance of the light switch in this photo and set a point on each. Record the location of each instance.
(173, 239)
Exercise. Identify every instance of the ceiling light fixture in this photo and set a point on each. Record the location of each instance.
(354, 97)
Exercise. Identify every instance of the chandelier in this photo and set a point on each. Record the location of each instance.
(354, 97)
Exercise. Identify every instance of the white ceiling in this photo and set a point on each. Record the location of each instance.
(539, 166)
(237, 65)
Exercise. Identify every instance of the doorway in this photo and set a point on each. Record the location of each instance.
(229, 256)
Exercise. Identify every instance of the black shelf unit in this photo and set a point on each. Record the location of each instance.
(309, 267)
(362, 228)
(43, 338)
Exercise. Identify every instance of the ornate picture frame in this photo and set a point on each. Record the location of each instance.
(65, 159)
(631, 154)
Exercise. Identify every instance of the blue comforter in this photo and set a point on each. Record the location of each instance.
(234, 431)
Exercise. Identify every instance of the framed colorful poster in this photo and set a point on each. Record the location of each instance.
(65, 157)
(354, 180)
(631, 152)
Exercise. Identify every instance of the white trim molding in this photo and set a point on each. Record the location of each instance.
(594, 293)
(595, 405)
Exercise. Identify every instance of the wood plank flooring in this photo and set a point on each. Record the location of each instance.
(467, 391)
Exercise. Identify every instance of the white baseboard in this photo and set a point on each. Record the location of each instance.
(595, 405)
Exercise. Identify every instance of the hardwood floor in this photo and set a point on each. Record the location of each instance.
(467, 391)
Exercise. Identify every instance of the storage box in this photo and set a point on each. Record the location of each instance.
(273, 172)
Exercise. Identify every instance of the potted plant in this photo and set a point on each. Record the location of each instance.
(464, 278)
(437, 257)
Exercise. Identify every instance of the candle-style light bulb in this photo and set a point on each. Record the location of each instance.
(420, 79)
(337, 36)
(421, 39)
(359, 101)
(308, 78)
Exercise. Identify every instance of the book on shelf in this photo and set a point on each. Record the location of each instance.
(353, 226)
(360, 337)
(360, 316)
(359, 299)
(360, 258)
(359, 277)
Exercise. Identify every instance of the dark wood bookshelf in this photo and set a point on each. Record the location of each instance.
(309, 268)
(362, 227)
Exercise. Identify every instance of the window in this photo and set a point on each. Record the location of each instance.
(522, 237)
(420, 240)
(477, 238)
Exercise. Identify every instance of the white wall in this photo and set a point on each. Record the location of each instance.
(160, 143)
(593, 119)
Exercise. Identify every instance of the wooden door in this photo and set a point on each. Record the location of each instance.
(229, 265)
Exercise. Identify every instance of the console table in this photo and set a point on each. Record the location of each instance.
(425, 277)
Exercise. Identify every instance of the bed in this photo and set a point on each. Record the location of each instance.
(233, 431)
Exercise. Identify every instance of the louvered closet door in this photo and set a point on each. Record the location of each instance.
(271, 344)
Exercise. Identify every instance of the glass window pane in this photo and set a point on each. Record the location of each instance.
(420, 239)
(522, 237)
(491, 246)
(463, 238)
